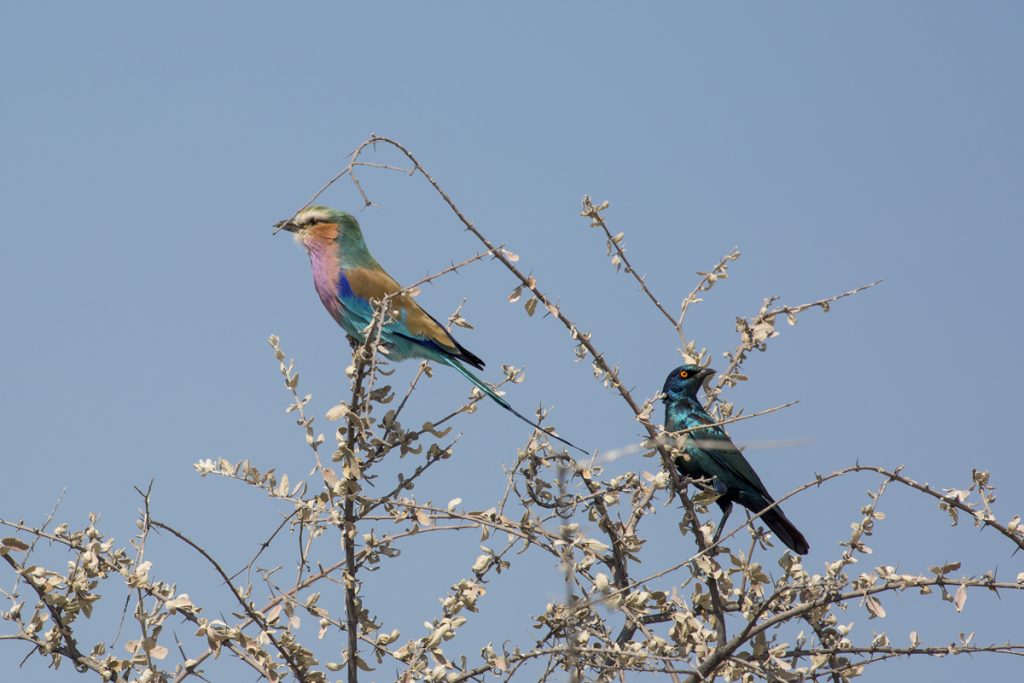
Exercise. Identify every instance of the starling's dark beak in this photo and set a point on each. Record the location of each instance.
(705, 375)
(285, 225)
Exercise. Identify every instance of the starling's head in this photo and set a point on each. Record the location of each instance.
(685, 381)
(318, 224)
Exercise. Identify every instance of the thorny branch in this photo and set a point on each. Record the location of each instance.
(756, 331)
(610, 374)
(619, 260)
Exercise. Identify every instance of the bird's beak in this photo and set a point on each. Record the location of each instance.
(706, 374)
(285, 225)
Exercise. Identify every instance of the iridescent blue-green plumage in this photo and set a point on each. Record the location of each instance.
(349, 280)
(710, 453)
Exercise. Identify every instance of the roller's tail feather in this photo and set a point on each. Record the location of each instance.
(479, 384)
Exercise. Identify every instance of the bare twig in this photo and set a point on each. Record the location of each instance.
(614, 243)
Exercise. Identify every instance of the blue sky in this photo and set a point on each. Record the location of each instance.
(146, 151)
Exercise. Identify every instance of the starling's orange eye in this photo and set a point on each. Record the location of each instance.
(684, 374)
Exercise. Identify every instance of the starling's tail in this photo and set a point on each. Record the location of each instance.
(785, 530)
(479, 384)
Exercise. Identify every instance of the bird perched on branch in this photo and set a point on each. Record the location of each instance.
(709, 453)
(348, 279)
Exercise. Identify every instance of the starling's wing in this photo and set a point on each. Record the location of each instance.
(358, 286)
(732, 469)
(741, 481)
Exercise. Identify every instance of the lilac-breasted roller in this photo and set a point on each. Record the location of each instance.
(348, 278)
